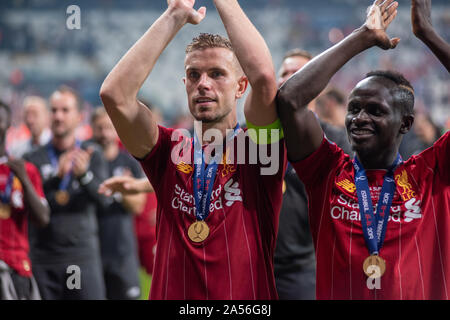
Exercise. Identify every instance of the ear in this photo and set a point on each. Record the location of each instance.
(407, 122)
(242, 85)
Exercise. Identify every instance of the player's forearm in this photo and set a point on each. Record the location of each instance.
(437, 45)
(127, 77)
(39, 210)
(134, 202)
(249, 46)
(305, 85)
(143, 185)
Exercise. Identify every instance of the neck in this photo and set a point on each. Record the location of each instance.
(35, 138)
(64, 143)
(227, 124)
(110, 151)
(378, 161)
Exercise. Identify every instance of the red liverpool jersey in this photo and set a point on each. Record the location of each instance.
(236, 259)
(417, 243)
(14, 245)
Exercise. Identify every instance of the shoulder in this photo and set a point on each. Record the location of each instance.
(91, 144)
(37, 154)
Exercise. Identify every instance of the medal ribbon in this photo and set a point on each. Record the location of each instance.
(54, 160)
(374, 226)
(6, 196)
(204, 177)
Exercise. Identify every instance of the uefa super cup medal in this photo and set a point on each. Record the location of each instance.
(198, 231)
(370, 265)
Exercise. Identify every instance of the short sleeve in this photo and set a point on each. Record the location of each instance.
(157, 162)
(315, 169)
(437, 157)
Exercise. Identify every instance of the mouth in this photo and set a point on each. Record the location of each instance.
(204, 101)
(361, 133)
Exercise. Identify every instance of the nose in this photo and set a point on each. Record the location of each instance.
(360, 117)
(204, 82)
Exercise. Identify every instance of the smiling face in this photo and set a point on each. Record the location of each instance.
(214, 81)
(374, 123)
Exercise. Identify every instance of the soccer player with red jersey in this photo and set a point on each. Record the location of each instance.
(21, 195)
(216, 226)
(380, 225)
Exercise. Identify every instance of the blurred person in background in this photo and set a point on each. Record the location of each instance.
(116, 228)
(295, 264)
(36, 119)
(21, 197)
(426, 130)
(66, 253)
(331, 107)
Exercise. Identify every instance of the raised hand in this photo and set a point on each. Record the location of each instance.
(185, 10)
(420, 16)
(379, 17)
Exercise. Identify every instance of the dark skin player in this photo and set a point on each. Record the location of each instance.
(39, 212)
(380, 106)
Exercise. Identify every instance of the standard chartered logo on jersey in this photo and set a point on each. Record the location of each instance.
(184, 201)
(348, 209)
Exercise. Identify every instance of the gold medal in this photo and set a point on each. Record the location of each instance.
(374, 266)
(5, 211)
(198, 231)
(62, 197)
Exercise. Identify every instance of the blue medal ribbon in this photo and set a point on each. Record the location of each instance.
(5, 197)
(64, 184)
(204, 177)
(374, 226)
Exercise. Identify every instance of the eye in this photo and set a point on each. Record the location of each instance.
(193, 75)
(375, 110)
(353, 108)
(216, 74)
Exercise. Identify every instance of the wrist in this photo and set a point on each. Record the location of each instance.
(86, 177)
(178, 16)
(424, 32)
(366, 37)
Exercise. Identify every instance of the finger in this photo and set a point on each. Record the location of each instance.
(199, 15)
(394, 42)
(105, 191)
(385, 4)
(390, 10)
(388, 21)
(377, 2)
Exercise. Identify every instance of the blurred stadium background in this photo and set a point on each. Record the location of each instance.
(38, 52)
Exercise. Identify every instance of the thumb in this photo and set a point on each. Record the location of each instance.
(394, 42)
(199, 15)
